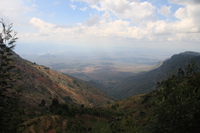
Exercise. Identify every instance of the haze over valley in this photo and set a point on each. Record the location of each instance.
(102, 68)
(86, 61)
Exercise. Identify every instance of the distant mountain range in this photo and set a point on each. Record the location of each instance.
(39, 82)
(144, 82)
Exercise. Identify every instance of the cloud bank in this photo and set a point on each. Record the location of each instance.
(114, 19)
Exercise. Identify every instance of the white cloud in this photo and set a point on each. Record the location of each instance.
(102, 29)
(106, 16)
(90, 1)
(118, 21)
(73, 7)
(83, 9)
(92, 21)
(48, 32)
(56, 3)
(189, 17)
(185, 2)
(14, 11)
(159, 28)
(98, 27)
(137, 12)
(165, 10)
(43, 26)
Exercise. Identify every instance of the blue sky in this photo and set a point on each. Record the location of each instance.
(52, 26)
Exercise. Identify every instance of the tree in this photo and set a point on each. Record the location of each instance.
(178, 107)
(9, 94)
(42, 104)
(7, 44)
(55, 102)
(54, 105)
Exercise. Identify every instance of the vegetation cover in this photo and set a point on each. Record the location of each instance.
(173, 107)
(178, 106)
(10, 117)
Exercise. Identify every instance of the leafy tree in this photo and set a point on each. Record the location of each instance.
(9, 94)
(179, 103)
(55, 102)
(54, 105)
(42, 104)
(7, 43)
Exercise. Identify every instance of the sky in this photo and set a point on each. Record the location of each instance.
(54, 26)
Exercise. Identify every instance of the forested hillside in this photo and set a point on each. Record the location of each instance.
(172, 107)
(145, 82)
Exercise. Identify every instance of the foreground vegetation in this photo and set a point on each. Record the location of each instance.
(10, 117)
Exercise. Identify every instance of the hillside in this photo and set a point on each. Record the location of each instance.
(174, 107)
(146, 81)
(176, 98)
(39, 82)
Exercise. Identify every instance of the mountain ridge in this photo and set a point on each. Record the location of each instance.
(145, 82)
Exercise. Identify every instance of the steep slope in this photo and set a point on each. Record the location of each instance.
(146, 81)
(40, 82)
